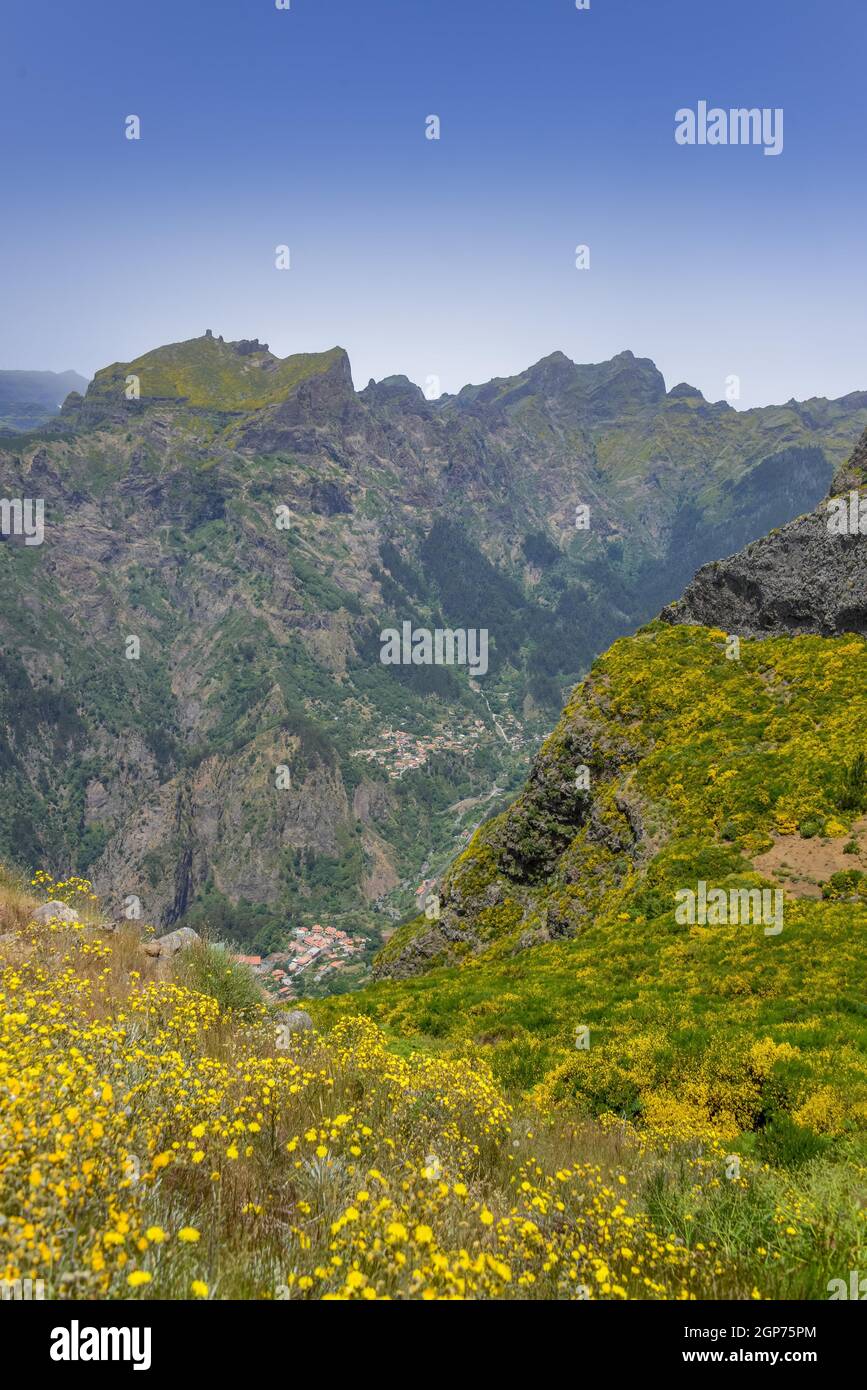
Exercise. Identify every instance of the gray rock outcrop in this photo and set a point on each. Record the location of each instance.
(806, 577)
(173, 942)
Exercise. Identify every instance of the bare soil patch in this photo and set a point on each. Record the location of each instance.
(801, 866)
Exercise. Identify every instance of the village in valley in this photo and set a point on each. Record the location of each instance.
(398, 751)
(313, 956)
(320, 959)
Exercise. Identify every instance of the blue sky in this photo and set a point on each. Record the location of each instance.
(454, 258)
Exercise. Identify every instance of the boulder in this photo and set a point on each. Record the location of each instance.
(55, 911)
(293, 1020)
(170, 944)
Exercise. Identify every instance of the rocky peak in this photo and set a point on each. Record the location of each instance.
(625, 382)
(397, 391)
(683, 391)
(246, 347)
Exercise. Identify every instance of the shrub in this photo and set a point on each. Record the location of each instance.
(785, 1144)
(809, 828)
(211, 970)
(853, 796)
(846, 883)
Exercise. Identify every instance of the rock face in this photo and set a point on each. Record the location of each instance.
(414, 954)
(554, 828)
(806, 577)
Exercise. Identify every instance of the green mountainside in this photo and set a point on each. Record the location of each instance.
(562, 911)
(256, 523)
(620, 1053)
(215, 375)
(691, 760)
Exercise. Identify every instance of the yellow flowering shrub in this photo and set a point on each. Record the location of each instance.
(152, 1147)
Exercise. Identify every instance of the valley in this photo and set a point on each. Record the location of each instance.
(223, 550)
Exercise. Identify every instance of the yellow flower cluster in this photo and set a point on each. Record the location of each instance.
(152, 1147)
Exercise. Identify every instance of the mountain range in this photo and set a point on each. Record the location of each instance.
(228, 534)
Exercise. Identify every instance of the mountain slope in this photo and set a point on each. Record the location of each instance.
(348, 1171)
(681, 766)
(561, 914)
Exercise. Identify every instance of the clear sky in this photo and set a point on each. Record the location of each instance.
(453, 258)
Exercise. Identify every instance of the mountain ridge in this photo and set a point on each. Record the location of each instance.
(555, 369)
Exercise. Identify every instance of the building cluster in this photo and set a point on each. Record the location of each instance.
(311, 954)
(400, 752)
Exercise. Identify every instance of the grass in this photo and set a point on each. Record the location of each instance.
(711, 758)
(209, 969)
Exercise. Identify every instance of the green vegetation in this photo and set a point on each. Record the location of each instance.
(260, 643)
(854, 794)
(207, 968)
(208, 373)
(563, 907)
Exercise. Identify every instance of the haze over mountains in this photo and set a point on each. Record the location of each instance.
(255, 523)
(29, 399)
